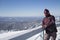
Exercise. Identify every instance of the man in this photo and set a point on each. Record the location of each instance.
(49, 25)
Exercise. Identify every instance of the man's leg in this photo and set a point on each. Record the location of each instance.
(53, 36)
(46, 37)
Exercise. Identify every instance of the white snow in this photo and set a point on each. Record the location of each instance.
(12, 34)
(38, 36)
(58, 33)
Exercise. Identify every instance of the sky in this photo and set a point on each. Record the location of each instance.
(28, 8)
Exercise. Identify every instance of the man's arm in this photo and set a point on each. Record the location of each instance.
(43, 24)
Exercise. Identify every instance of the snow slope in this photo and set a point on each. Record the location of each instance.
(11, 35)
(30, 34)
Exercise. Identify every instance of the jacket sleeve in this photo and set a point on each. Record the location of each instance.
(52, 20)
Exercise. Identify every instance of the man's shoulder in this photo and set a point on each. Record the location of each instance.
(52, 16)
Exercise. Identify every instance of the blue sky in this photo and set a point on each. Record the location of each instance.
(28, 8)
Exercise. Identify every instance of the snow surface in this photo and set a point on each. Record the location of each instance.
(14, 34)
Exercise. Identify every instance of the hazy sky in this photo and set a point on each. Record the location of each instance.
(23, 8)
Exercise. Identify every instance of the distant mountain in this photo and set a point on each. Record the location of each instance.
(19, 18)
(19, 23)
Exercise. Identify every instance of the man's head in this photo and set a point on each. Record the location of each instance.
(46, 12)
